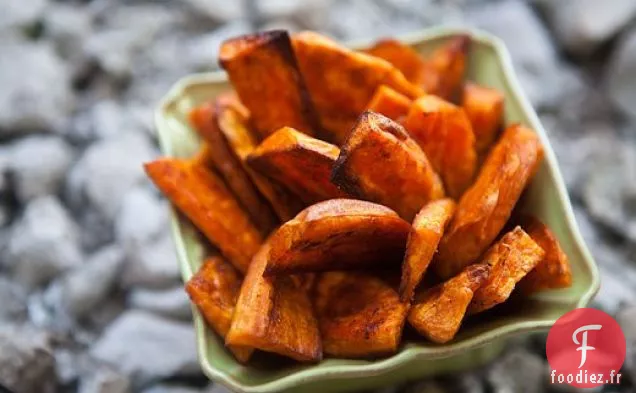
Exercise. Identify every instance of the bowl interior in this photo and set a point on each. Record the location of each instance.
(546, 198)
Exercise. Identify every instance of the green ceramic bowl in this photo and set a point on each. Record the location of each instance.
(479, 340)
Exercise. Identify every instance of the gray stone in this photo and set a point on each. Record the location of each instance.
(21, 14)
(627, 319)
(35, 84)
(38, 165)
(26, 360)
(104, 380)
(202, 52)
(311, 14)
(147, 347)
(152, 265)
(13, 306)
(171, 303)
(621, 74)
(142, 218)
(217, 388)
(217, 10)
(428, 386)
(518, 371)
(582, 25)
(164, 388)
(43, 243)
(69, 26)
(106, 313)
(85, 287)
(106, 171)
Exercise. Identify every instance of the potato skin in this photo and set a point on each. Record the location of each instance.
(437, 312)
(360, 316)
(445, 69)
(390, 103)
(302, 163)
(202, 196)
(233, 123)
(380, 162)
(217, 152)
(274, 314)
(484, 107)
(444, 133)
(402, 56)
(338, 234)
(426, 232)
(486, 206)
(510, 259)
(263, 69)
(341, 82)
(214, 289)
(553, 272)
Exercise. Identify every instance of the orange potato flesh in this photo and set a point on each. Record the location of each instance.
(214, 289)
(438, 312)
(233, 124)
(553, 271)
(204, 157)
(426, 232)
(274, 314)
(402, 56)
(217, 151)
(263, 69)
(338, 234)
(486, 206)
(341, 82)
(301, 163)
(484, 107)
(202, 196)
(390, 103)
(445, 69)
(359, 315)
(444, 133)
(381, 163)
(510, 259)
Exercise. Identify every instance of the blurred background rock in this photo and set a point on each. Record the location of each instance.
(90, 296)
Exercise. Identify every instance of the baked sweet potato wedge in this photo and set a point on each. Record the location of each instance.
(341, 82)
(485, 207)
(203, 197)
(263, 69)
(274, 314)
(444, 133)
(302, 163)
(381, 163)
(402, 56)
(338, 234)
(510, 259)
(234, 125)
(553, 272)
(484, 107)
(214, 289)
(217, 151)
(390, 103)
(445, 69)
(359, 315)
(437, 313)
(426, 232)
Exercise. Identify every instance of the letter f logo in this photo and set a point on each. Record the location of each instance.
(583, 344)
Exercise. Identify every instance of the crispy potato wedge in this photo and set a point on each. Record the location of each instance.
(302, 163)
(426, 232)
(438, 312)
(274, 314)
(486, 206)
(402, 56)
(217, 152)
(510, 259)
(553, 272)
(359, 315)
(341, 82)
(263, 69)
(214, 289)
(381, 163)
(202, 196)
(338, 234)
(234, 125)
(484, 107)
(204, 157)
(390, 103)
(444, 71)
(444, 133)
